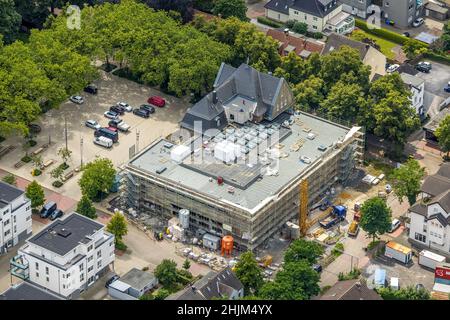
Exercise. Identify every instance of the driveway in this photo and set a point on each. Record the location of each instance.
(256, 9)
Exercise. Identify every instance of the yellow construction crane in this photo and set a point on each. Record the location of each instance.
(303, 208)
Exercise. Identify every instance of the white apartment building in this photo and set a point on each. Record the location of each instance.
(417, 87)
(319, 15)
(429, 225)
(15, 216)
(67, 256)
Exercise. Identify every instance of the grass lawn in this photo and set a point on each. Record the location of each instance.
(385, 45)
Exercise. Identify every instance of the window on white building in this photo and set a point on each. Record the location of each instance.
(90, 268)
(46, 270)
(37, 274)
(90, 258)
(99, 254)
(37, 265)
(90, 247)
(47, 279)
(28, 218)
(7, 232)
(99, 264)
(82, 277)
(81, 267)
(420, 237)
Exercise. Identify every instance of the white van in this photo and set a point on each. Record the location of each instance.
(103, 141)
(394, 225)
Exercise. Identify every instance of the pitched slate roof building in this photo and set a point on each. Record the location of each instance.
(350, 290)
(240, 95)
(223, 284)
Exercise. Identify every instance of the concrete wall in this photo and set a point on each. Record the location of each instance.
(275, 15)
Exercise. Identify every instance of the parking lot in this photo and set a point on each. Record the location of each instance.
(111, 89)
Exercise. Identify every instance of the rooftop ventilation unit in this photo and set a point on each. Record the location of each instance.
(64, 232)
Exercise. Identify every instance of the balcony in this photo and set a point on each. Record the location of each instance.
(19, 267)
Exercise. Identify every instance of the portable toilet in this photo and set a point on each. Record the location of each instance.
(116, 183)
(394, 284)
(380, 278)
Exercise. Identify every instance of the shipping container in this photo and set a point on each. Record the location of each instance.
(430, 259)
(398, 252)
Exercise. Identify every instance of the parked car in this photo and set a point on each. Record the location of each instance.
(418, 22)
(113, 129)
(392, 68)
(92, 124)
(111, 280)
(48, 209)
(105, 132)
(305, 159)
(103, 141)
(34, 128)
(419, 287)
(317, 267)
(424, 66)
(157, 101)
(447, 87)
(394, 225)
(141, 113)
(92, 89)
(388, 188)
(125, 106)
(119, 124)
(406, 34)
(147, 107)
(117, 109)
(111, 115)
(77, 99)
(56, 214)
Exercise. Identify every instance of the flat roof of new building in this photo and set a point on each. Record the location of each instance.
(137, 279)
(27, 291)
(265, 187)
(8, 193)
(64, 235)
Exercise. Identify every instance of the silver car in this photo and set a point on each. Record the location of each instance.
(77, 99)
(93, 124)
(305, 159)
(125, 106)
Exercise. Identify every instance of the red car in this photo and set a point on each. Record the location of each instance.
(157, 101)
(112, 129)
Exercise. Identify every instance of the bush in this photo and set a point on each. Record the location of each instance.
(290, 24)
(10, 179)
(63, 166)
(315, 35)
(300, 27)
(31, 143)
(145, 269)
(385, 34)
(121, 246)
(26, 159)
(373, 244)
(127, 74)
(57, 184)
(338, 249)
(437, 57)
(36, 172)
(269, 22)
(354, 274)
(2, 139)
(162, 294)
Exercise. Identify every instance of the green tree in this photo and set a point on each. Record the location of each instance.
(230, 8)
(186, 264)
(161, 294)
(97, 178)
(297, 281)
(35, 193)
(57, 173)
(249, 273)
(407, 181)
(308, 94)
(118, 227)
(376, 217)
(85, 208)
(292, 68)
(166, 273)
(408, 293)
(10, 179)
(443, 135)
(300, 250)
(300, 27)
(65, 154)
(413, 48)
(9, 20)
(37, 161)
(204, 5)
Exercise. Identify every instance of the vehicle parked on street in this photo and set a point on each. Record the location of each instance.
(111, 115)
(337, 215)
(111, 280)
(418, 22)
(394, 225)
(430, 259)
(119, 124)
(392, 68)
(147, 107)
(125, 106)
(406, 34)
(117, 109)
(92, 89)
(34, 128)
(424, 66)
(48, 209)
(92, 124)
(353, 229)
(305, 159)
(77, 99)
(317, 268)
(157, 101)
(141, 113)
(112, 129)
(56, 214)
(105, 132)
(103, 141)
(447, 87)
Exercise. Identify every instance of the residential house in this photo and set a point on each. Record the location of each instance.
(67, 256)
(399, 12)
(319, 15)
(133, 285)
(27, 291)
(436, 11)
(368, 54)
(240, 95)
(430, 128)
(302, 46)
(417, 87)
(429, 225)
(350, 290)
(15, 216)
(223, 284)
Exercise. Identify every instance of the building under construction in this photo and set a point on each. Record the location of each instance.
(249, 177)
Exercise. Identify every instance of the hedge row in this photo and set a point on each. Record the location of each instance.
(269, 22)
(437, 57)
(385, 34)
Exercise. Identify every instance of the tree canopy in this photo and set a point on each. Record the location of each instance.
(376, 217)
(407, 181)
(35, 193)
(85, 208)
(408, 293)
(10, 20)
(230, 8)
(118, 227)
(97, 178)
(443, 135)
(303, 250)
(166, 272)
(249, 273)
